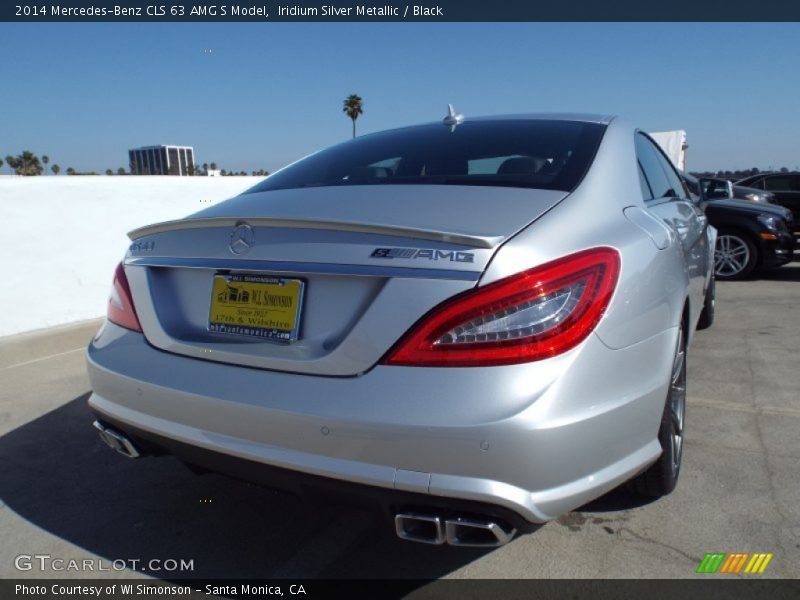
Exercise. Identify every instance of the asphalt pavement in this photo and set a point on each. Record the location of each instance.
(63, 493)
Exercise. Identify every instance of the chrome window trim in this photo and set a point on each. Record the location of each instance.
(301, 268)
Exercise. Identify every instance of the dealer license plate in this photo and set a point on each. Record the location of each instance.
(256, 305)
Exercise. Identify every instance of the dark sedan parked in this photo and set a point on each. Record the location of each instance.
(753, 194)
(720, 188)
(784, 186)
(752, 235)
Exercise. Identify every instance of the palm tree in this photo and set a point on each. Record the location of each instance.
(1, 163)
(55, 169)
(70, 171)
(45, 160)
(205, 167)
(109, 172)
(121, 171)
(26, 163)
(353, 107)
(213, 166)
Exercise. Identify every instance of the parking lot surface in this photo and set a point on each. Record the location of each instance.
(65, 494)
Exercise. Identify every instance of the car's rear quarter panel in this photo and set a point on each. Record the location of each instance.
(653, 283)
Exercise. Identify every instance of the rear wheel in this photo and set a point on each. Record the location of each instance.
(735, 256)
(662, 476)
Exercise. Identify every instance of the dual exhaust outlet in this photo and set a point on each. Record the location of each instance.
(116, 441)
(457, 531)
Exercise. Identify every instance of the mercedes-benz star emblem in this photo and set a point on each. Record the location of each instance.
(242, 239)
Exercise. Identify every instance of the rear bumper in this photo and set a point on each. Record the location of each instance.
(389, 501)
(533, 440)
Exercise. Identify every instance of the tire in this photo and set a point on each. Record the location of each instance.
(662, 476)
(707, 315)
(735, 255)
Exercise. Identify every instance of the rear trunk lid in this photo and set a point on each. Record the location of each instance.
(371, 260)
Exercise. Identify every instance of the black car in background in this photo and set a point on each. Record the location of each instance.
(784, 186)
(720, 187)
(752, 235)
(754, 195)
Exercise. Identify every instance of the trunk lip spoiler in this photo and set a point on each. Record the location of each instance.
(465, 239)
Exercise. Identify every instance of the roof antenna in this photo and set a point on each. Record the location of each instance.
(453, 119)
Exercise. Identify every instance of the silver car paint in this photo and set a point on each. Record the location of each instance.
(540, 438)
(396, 207)
(351, 315)
(654, 281)
(564, 430)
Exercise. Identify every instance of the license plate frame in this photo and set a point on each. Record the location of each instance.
(261, 315)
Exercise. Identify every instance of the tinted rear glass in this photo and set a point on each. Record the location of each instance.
(544, 154)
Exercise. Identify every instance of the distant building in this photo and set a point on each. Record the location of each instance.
(214, 172)
(162, 160)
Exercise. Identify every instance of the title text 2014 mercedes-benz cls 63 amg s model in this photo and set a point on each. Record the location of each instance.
(477, 325)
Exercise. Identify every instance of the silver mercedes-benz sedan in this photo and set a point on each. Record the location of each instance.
(476, 324)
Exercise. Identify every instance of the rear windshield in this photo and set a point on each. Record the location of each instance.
(543, 154)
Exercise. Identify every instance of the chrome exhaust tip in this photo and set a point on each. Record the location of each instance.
(430, 529)
(477, 534)
(116, 441)
(419, 528)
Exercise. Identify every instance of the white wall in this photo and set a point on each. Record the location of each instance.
(62, 236)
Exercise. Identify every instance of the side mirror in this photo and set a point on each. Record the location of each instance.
(716, 189)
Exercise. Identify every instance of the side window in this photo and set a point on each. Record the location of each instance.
(653, 171)
(780, 183)
(647, 194)
(717, 188)
(675, 182)
(693, 185)
(758, 183)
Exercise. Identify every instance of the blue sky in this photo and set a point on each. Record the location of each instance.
(267, 94)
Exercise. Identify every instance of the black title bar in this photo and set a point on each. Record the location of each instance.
(422, 11)
(413, 589)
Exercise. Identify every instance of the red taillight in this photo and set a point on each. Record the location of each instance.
(533, 315)
(120, 303)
